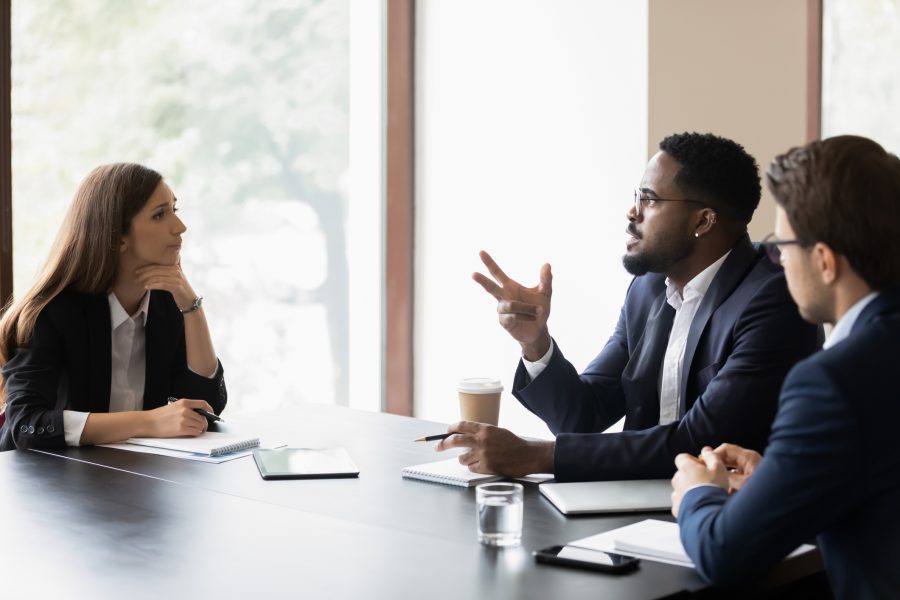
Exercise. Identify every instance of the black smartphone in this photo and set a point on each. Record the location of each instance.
(582, 558)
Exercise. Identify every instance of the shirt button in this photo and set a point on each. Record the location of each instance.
(23, 429)
(51, 429)
(40, 431)
(31, 429)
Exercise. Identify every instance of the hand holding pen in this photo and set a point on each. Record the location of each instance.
(433, 438)
(205, 413)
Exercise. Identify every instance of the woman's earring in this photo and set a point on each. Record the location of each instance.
(696, 234)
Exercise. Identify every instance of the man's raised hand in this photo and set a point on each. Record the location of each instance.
(523, 311)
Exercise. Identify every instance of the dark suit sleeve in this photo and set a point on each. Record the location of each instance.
(191, 385)
(168, 373)
(33, 419)
(737, 406)
(567, 401)
(187, 384)
(809, 477)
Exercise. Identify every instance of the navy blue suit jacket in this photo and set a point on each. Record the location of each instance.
(745, 337)
(832, 469)
(68, 366)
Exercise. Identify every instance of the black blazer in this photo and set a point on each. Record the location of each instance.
(67, 366)
(831, 469)
(746, 335)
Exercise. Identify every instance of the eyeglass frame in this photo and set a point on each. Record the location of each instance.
(771, 245)
(640, 199)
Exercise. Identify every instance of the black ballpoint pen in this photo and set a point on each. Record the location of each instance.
(205, 413)
(431, 438)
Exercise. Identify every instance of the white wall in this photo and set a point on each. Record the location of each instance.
(531, 134)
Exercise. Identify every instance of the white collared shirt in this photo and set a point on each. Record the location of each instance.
(685, 305)
(128, 366)
(673, 365)
(845, 324)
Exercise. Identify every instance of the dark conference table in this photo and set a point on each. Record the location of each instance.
(103, 523)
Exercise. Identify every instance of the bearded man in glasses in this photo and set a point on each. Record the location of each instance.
(704, 340)
(832, 465)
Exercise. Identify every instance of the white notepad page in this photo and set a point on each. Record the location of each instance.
(447, 471)
(650, 539)
(661, 539)
(212, 443)
(451, 472)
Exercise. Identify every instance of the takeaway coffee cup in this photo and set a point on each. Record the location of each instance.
(479, 399)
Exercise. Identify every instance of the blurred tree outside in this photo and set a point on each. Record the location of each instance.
(860, 70)
(242, 105)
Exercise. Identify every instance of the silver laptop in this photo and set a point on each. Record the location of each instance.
(586, 497)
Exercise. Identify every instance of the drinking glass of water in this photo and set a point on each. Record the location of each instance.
(499, 515)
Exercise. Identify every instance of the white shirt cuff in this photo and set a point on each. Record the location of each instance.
(537, 367)
(73, 426)
(214, 373)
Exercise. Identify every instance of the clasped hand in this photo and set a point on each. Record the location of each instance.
(728, 467)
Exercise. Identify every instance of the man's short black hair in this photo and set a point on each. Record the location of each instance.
(717, 171)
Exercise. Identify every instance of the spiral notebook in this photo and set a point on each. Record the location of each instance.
(449, 472)
(211, 443)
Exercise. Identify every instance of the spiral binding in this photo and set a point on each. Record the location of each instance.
(245, 445)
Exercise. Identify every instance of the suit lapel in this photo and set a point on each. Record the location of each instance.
(154, 395)
(730, 275)
(649, 355)
(99, 328)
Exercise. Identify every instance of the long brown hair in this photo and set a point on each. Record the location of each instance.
(85, 254)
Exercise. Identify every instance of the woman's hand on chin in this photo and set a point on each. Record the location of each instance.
(169, 278)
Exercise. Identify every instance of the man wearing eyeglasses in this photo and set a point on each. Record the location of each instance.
(832, 465)
(704, 340)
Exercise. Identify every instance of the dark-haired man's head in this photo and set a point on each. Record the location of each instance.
(840, 198)
(717, 171)
(696, 197)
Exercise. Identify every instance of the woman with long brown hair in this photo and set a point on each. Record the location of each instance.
(111, 328)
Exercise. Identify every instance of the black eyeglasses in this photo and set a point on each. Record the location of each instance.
(640, 200)
(772, 246)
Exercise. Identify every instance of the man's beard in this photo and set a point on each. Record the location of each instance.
(670, 248)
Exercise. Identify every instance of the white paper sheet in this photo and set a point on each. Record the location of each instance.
(189, 456)
(649, 539)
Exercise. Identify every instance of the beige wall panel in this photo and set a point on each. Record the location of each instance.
(735, 68)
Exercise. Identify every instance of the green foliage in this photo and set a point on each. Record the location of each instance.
(241, 104)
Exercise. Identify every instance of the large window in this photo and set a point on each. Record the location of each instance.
(264, 117)
(531, 135)
(860, 70)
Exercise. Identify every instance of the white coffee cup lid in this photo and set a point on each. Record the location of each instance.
(479, 385)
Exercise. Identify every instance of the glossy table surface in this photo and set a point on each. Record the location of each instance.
(129, 525)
